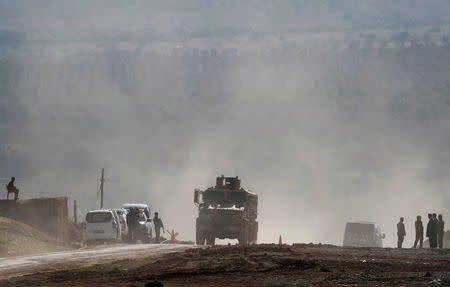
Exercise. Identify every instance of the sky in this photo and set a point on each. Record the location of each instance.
(330, 112)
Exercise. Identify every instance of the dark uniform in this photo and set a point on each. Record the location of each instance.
(432, 228)
(419, 232)
(441, 231)
(158, 225)
(401, 232)
(429, 227)
(132, 222)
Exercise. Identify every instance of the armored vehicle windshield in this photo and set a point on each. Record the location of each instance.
(224, 198)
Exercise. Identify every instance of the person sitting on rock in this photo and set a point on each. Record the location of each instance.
(13, 188)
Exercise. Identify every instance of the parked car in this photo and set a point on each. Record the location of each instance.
(101, 225)
(122, 213)
(363, 234)
(119, 225)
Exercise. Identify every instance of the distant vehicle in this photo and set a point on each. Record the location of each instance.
(226, 211)
(101, 225)
(122, 213)
(363, 234)
(141, 206)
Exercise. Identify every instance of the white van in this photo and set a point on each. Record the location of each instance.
(122, 213)
(363, 234)
(101, 225)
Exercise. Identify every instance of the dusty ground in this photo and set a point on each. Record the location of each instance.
(24, 265)
(263, 265)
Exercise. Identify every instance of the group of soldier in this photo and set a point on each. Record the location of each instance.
(435, 231)
(133, 225)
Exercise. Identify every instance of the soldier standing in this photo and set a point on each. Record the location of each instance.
(158, 225)
(419, 232)
(434, 231)
(441, 232)
(132, 222)
(401, 232)
(429, 230)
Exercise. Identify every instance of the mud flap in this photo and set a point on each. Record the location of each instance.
(243, 235)
(199, 237)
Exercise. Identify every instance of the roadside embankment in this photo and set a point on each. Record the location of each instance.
(17, 238)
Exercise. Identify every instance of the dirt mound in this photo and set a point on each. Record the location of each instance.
(48, 215)
(74, 232)
(22, 228)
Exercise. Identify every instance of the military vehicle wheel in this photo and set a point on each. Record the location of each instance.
(199, 238)
(210, 239)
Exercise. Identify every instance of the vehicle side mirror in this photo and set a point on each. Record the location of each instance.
(196, 196)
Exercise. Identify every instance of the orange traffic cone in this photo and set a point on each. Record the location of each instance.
(172, 238)
(280, 242)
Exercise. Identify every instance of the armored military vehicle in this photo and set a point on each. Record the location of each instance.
(363, 234)
(226, 211)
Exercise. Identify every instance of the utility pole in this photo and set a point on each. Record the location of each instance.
(75, 211)
(102, 181)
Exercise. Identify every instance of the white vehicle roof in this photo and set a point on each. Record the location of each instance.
(99, 210)
(141, 205)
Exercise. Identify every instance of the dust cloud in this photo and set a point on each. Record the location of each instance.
(329, 112)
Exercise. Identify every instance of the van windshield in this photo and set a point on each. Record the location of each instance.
(98, 217)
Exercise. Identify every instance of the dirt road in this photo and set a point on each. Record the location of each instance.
(257, 265)
(21, 265)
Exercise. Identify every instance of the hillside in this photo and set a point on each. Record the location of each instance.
(17, 238)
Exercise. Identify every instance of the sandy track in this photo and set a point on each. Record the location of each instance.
(21, 265)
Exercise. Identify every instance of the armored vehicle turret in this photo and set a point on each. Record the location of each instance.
(226, 211)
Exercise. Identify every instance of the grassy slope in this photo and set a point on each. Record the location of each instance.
(14, 244)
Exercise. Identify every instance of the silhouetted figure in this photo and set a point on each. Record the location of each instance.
(401, 232)
(419, 232)
(132, 222)
(440, 234)
(158, 225)
(430, 230)
(12, 188)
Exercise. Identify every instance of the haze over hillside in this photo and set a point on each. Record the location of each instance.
(329, 111)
